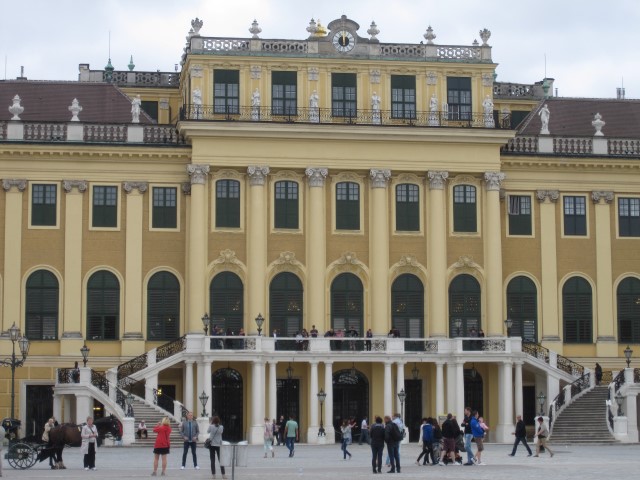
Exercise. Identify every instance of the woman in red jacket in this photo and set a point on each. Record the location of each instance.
(162, 445)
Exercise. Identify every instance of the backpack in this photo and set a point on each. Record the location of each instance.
(395, 433)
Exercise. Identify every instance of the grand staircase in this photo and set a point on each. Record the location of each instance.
(584, 420)
(151, 417)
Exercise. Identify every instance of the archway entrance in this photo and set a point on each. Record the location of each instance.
(228, 404)
(473, 390)
(350, 398)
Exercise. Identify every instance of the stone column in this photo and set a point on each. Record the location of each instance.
(57, 407)
(328, 403)
(199, 388)
(273, 391)
(399, 385)
(12, 274)
(459, 399)
(549, 327)
(257, 407)
(206, 385)
(517, 389)
(451, 388)
(440, 388)
(187, 396)
(437, 256)
(379, 251)
(316, 248)
(505, 406)
(257, 242)
(606, 345)
(312, 430)
(493, 253)
(197, 257)
(84, 408)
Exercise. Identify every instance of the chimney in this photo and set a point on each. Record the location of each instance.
(620, 93)
(21, 77)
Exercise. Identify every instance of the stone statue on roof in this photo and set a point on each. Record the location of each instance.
(135, 109)
(544, 119)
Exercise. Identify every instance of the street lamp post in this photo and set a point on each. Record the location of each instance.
(401, 396)
(508, 323)
(457, 323)
(619, 400)
(205, 323)
(541, 399)
(259, 322)
(204, 398)
(129, 401)
(15, 362)
(321, 397)
(627, 355)
(85, 354)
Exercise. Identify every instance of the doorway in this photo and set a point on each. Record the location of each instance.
(228, 402)
(350, 399)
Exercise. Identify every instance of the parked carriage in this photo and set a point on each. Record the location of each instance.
(22, 452)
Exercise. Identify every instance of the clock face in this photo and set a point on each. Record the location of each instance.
(343, 41)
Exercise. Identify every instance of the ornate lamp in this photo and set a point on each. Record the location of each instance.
(619, 400)
(85, 354)
(458, 324)
(415, 372)
(353, 372)
(289, 371)
(627, 355)
(259, 323)
(204, 398)
(402, 396)
(129, 401)
(24, 345)
(321, 398)
(14, 362)
(508, 323)
(14, 333)
(205, 323)
(541, 398)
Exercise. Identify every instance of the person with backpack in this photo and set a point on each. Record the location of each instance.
(426, 431)
(377, 434)
(466, 424)
(450, 431)
(478, 437)
(392, 437)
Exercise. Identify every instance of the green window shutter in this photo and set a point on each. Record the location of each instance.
(284, 92)
(522, 308)
(286, 204)
(285, 304)
(403, 96)
(226, 304)
(103, 306)
(519, 211)
(228, 204)
(464, 209)
(163, 307)
(165, 211)
(343, 94)
(577, 311)
(347, 206)
(41, 306)
(43, 205)
(407, 306)
(226, 90)
(407, 208)
(464, 304)
(105, 206)
(347, 303)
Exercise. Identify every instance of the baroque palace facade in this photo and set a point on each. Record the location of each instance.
(329, 183)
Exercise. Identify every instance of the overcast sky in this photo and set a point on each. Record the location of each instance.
(591, 46)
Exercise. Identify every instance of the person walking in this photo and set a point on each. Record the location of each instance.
(521, 436)
(364, 431)
(392, 437)
(162, 445)
(282, 427)
(478, 436)
(377, 434)
(426, 431)
(215, 432)
(466, 425)
(291, 434)
(450, 431)
(189, 431)
(346, 438)
(598, 374)
(268, 437)
(89, 435)
(542, 433)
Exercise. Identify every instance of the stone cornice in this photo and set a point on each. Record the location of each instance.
(563, 165)
(119, 151)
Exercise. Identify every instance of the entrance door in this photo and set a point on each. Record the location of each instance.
(473, 390)
(39, 410)
(227, 403)
(413, 408)
(288, 397)
(350, 398)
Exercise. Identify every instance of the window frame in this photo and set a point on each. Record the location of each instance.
(227, 175)
(344, 95)
(229, 202)
(619, 217)
(403, 208)
(462, 107)
(54, 311)
(33, 210)
(177, 207)
(284, 103)
(465, 183)
(89, 313)
(510, 216)
(226, 91)
(564, 217)
(403, 97)
(92, 207)
(290, 218)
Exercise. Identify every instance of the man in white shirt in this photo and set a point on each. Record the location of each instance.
(364, 431)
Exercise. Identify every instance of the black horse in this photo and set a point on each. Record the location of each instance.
(69, 434)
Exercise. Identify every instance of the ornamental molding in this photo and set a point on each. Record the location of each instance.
(374, 76)
(257, 174)
(487, 80)
(186, 188)
(256, 72)
(432, 78)
(349, 262)
(196, 71)
(346, 177)
(129, 187)
(493, 180)
(163, 103)
(285, 174)
(468, 179)
(606, 196)
(227, 256)
(9, 183)
(379, 177)
(408, 261)
(465, 262)
(408, 264)
(286, 262)
(314, 73)
(407, 178)
(227, 173)
(316, 176)
(69, 185)
(198, 173)
(437, 180)
(551, 195)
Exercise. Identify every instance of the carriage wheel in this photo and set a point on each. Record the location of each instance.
(21, 456)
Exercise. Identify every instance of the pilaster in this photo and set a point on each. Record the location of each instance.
(257, 242)
(505, 408)
(379, 251)
(11, 280)
(440, 388)
(493, 253)
(257, 406)
(437, 255)
(312, 430)
(388, 391)
(328, 403)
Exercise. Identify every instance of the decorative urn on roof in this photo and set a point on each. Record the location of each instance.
(598, 123)
(16, 109)
(75, 108)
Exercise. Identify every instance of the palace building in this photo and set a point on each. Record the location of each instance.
(486, 234)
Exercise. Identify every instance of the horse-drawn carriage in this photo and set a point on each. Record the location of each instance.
(22, 452)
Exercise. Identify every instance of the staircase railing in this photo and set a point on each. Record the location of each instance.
(561, 401)
(569, 366)
(618, 382)
(168, 404)
(141, 362)
(536, 350)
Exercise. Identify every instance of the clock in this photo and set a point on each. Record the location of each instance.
(344, 41)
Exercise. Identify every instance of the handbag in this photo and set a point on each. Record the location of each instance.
(207, 443)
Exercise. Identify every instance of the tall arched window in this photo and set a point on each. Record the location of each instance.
(522, 308)
(226, 302)
(347, 303)
(285, 304)
(103, 306)
(629, 310)
(407, 306)
(577, 311)
(464, 306)
(41, 306)
(163, 307)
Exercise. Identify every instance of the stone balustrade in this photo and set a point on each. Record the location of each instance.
(561, 145)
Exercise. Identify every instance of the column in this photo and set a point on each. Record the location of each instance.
(72, 327)
(437, 257)
(257, 242)
(388, 400)
(199, 388)
(549, 270)
(316, 248)
(312, 430)
(440, 389)
(493, 253)
(459, 399)
(517, 389)
(328, 403)
(57, 407)
(67, 414)
(84, 408)
(505, 406)
(206, 380)
(606, 344)
(273, 391)
(451, 388)
(257, 406)
(197, 240)
(379, 251)
(187, 396)
(12, 275)
(399, 385)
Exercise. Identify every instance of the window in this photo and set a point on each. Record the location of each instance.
(226, 302)
(522, 308)
(228, 204)
(165, 211)
(163, 307)
(629, 311)
(407, 306)
(347, 303)
(343, 94)
(286, 205)
(464, 306)
(464, 208)
(226, 85)
(629, 217)
(285, 304)
(407, 207)
(403, 96)
(103, 306)
(43, 205)
(347, 206)
(151, 109)
(284, 93)
(577, 311)
(41, 306)
(459, 98)
(105, 207)
(519, 210)
(575, 216)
